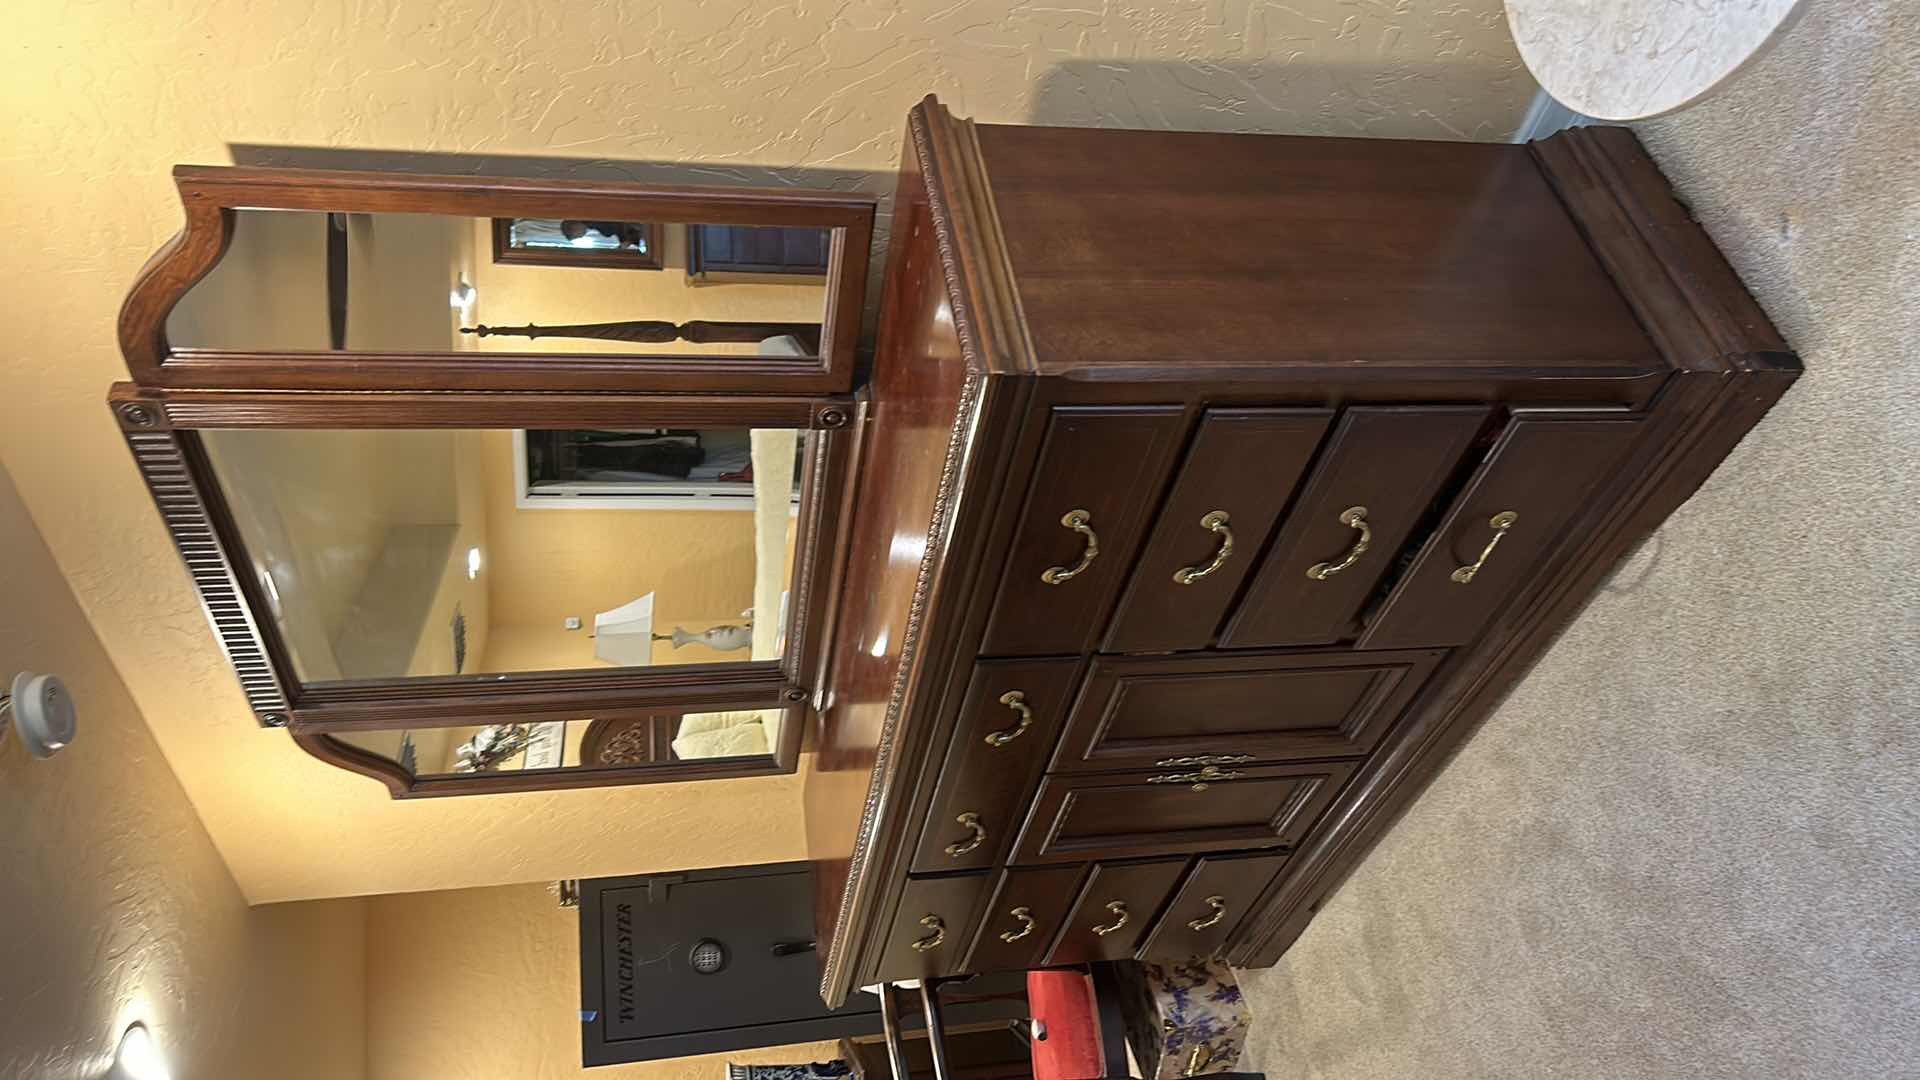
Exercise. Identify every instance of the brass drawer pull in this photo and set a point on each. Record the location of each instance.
(972, 821)
(1079, 521)
(1025, 915)
(1354, 517)
(1119, 909)
(931, 941)
(1501, 522)
(1219, 906)
(1204, 759)
(1217, 521)
(1017, 701)
(1199, 780)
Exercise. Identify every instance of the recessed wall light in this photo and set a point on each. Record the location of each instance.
(139, 1056)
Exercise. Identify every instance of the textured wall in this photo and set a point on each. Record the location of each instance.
(479, 984)
(114, 906)
(103, 98)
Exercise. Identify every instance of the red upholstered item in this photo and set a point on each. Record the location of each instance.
(1062, 1005)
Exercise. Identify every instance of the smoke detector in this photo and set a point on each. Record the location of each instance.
(42, 711)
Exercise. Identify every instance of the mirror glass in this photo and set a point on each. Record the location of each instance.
(392, 554)
(298, 280)
(608, 742)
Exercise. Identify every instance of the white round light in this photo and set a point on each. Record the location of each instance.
(139, 1057)
(473, 563)
(42, 711)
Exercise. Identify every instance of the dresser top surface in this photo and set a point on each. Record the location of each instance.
(1135, 250)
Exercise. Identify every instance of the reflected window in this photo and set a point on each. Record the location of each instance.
(706, 468)
(757, 249)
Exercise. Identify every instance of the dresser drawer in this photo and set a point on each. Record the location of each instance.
(1535, 482)
(1096, 485)
(1217, 895)
(932, 926)
(1008, 722)
(1029, 906)
(1236, 479)
(1381, 469)
(1175, 811)
(1115, 910)
(1235, 708)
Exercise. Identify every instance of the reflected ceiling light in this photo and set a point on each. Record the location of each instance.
(139, 1057)
(463, 294)
(473, 563)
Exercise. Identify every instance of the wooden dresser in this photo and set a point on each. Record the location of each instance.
(1211, 488)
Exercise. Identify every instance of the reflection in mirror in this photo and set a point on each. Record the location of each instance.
(387, 554)
(609, 742)
(298, 280)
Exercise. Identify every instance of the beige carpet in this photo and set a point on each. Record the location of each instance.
(1689, 845)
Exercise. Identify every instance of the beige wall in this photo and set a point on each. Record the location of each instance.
(114, 905)
(270, 289)
(514, 294)
(102, 100)
(478, 984)
(548, 564)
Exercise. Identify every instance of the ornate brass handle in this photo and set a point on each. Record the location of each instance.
(1204, 759)
(1017, 701)
(931, 941)
(1217, 521)
(1354, 517)
(1501, 522)
(1119, 909)
(1199, 780)
(1219, 906)
(1025, 915)
(971, 821)
(1081, 522)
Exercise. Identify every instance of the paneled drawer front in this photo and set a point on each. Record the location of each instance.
(1232, 709)
(1381, 469)
(932, 926)
(1007, 725)
(1028, 908)
(1242, 469)
(1219, 893)
(1097, 482)
(1115, 910)
(1534, 483)
(1175, 811)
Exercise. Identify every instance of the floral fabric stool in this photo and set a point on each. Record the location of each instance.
(1183, 1019)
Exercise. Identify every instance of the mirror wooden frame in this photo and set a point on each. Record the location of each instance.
(162, 427)
(210, 196)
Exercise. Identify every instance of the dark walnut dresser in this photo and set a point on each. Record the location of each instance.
(1210, 490)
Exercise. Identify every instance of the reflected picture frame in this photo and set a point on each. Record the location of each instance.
(644, 250)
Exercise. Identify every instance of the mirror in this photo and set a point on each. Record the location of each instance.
(619, 741)
(388, 554)
(308, 281)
